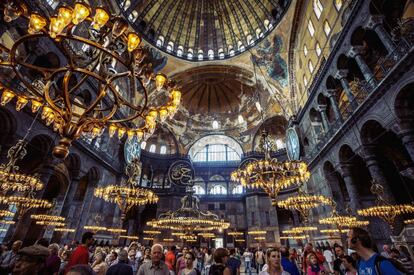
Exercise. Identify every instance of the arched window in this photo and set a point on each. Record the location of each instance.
(126, 4)
(240, 46)
(210, 54)
(327, 27)
(280, 143)
(231, 52)
(259, 33)
(180, 51)
(199, 190)
(215, 148)
(143, 145)
(238, 189)
(317, 8)
(218, 190)
(338, 4)
(163, 149)
(305, 50)
(305, 80)
(200, 55)
(266, 24)
(190, 54)
(311, 28)
(310, 66)
(160, 41)
(250, 40)
(170, 46)
(215, 124)
(133, 16)
(152, 148)
(318, 49)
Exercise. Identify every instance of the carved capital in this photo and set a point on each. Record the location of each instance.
(373, 21)
(331, 93)
(341, 74)
(321, 108)
(356, 51)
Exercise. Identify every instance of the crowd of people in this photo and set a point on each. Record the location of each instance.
(89, 258)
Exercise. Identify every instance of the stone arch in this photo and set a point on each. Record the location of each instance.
(336, 184)
(8, 126)
(275, 126)
(38, 150)
(371, 131)
(73, 164)
(404, 106)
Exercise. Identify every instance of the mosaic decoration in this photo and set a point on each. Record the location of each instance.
(268, 56)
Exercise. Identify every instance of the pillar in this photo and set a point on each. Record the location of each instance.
(335, 106)
(322, 111)
(407, 137)
(350, 184)
(372, 163)
(341, 76)
(356, 53)
(375, 23)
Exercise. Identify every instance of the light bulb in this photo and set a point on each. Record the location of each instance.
(130, 134)
(160, 80)
(36, 105)
(153, 113)
(45, 112)
(21, 102)
(163, 114)
(100, 19)
(80, 13)
(121, 132)
(56, 26)
(65, 15)
(133, 41)
(6, 97)
(112, 129)
(36, 23)
(140, 135)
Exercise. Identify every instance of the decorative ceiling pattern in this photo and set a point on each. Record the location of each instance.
(198, 30)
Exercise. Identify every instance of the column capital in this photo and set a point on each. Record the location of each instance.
(374, 21)
(341, 74)
(346, 168)
(356, 51)
(331, 92)
(321, 108)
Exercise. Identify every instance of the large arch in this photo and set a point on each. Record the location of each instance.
(276, 128)
(215, 148)
(336, 184)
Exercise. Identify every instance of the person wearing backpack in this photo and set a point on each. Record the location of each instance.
(221, 256)
(371, 263)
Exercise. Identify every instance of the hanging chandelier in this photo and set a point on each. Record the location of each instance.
(409, 221)
(134, 238)
(270, 174)
(303, 203)
(10, 178)
(127, 195)
(97, 49)
(206, 235)
(6, 213)
(63, 229)
(116, 230)
(49, 220)
(332, 231)
(383, 209)
(7, 222)
(189, 217)
(95, 228)
(152, 232)
(342, 222)
(25, 203)
(256, 232)
(235, 233)
(295, 237)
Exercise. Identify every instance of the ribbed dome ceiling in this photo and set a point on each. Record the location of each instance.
(199, 30)
(216, 90)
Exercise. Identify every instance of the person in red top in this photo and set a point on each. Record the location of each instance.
(170, 258)
(81, 254)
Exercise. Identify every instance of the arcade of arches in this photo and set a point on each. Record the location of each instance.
(331, 83)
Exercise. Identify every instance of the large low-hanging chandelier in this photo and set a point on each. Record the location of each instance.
(97, 49)
(270, 174)
(303, 203)
(25, 203)
(189, 217)
(384, 209)
(127, 195)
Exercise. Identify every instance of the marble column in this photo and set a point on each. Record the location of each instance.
(341, 76)
(332, 98)
(325, 122)
(295, 215)
(375, 23)
(406, 134)
(356, 53)
(372, 162)
(351, 187)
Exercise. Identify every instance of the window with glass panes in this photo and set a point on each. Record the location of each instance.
(216, 152)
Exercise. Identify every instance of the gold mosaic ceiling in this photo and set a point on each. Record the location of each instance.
(198, 30)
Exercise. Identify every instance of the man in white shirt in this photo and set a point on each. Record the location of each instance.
(247, 256)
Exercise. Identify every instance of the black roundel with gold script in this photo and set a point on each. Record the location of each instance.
(181, 173)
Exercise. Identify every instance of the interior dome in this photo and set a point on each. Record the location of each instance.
(198, 30)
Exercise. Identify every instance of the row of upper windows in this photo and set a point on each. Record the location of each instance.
(326, 28)
(318, 7)
(153, 148)
(217, 190)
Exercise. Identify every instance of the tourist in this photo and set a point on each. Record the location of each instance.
(122, 266)
(8, 260)
(314, 267)
(53, 261)
(180, 264)
(200, 259)
(220, 256)
(64, 259)
(155, 266)
(170, 258)
(112, 258)
(350, 265)
(147, 256)
(288, 261)
(260, 260)
(81, 254)
(338, 267)
(386, 251)
(189, 265)
(208, 260)
(360, 241)
(405, 262)
(30, 260)
(234, 263)
(329, 258)
(274, 265)
(247, 256)
(80, 269)
(99, 266)
(133, 261)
